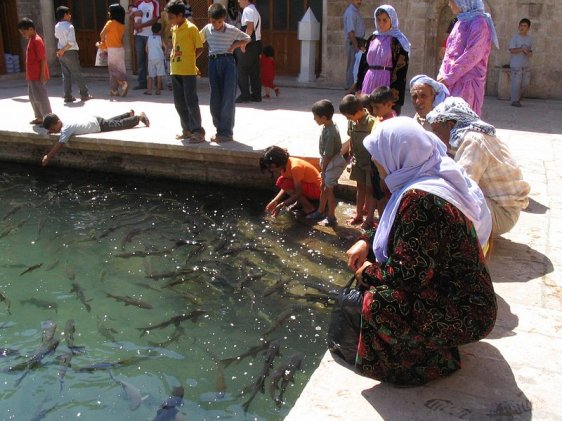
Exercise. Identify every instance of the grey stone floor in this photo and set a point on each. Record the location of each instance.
(512, 374)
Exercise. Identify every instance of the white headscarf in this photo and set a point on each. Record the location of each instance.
(394, 31)
(441, 91)
(416, 159)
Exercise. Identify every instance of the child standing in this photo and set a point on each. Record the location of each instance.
(357, 61)
(67, 52)
(361, 124)
(223, 39)
(267, 65)
(36, 70)
(186, 47)
(332, 162)
(383, 102)
(156, 66)
(521, 49)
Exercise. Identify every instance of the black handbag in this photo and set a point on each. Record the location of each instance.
(345, 323)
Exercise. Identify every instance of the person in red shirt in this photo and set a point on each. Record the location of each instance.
(36, 70)
(267, 64)
(297, 180)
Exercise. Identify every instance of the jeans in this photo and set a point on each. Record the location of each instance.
(249, 79)
(222, 80)
(520, 79)
(187, 103)
(119, 122)
(140, 51)
(70, 66)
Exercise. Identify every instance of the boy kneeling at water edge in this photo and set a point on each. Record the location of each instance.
(87, 125)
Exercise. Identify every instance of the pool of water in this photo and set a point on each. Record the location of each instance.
(116, 291)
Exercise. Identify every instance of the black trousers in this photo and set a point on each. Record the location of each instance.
(119, 122)
(248, 63)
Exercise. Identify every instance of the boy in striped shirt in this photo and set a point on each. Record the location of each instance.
(222, 39)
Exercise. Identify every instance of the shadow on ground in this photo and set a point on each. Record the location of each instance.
(485, 388)
(515, 262)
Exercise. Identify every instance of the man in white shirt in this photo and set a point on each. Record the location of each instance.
(67, 53)
(150, 14)
(248, 62)
(353, 29)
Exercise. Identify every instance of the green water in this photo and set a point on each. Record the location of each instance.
(127, 237)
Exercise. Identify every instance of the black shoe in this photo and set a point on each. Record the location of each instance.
(242, 99)
(256, 99)
(69, 99)
(136, 88)
(86, 98)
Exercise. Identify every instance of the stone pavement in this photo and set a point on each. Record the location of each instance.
(512, 374)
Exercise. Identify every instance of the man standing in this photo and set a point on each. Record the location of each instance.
(353, 28)
(521, 49)
(67, 52)
(150, 14)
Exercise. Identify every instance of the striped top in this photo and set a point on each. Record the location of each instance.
(221, 40)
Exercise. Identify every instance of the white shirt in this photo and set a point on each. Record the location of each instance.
(84, 125)
(148, 13)
(64, 33)
(251, 14)
(154, 47)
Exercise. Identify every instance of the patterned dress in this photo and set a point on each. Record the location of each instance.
(433, 294)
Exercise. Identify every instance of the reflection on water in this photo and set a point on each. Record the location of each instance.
(116, 292)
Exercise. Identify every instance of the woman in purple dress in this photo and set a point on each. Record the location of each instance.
(465, 64)
(385, 62)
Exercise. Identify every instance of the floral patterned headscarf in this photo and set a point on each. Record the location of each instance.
(394, 31)
(454, 108)
(472, 8)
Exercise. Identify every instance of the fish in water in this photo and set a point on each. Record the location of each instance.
(171, 274)
(111, 364)
(127, 300)
(36, 358)
(175, 320)
(68, 335)
(285, 373)
(10, 212)
(64, 361)
(277, 286)
(174, 337)
(37, 302)
(252, 352)
(8, 352)
(168, 410)
(80, 294)
(106, 332)
(259, 383)
(142, 253)
(31, 268)
(6, 300)
(220, 383)
(283, 316)
(133, 394)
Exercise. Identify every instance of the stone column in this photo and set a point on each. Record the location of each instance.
(309, 35)
(48, 23)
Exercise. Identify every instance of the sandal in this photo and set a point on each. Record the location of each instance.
(196, 138)
(355, 221)
(147, 93)
(328, 222)
(184, 135)
(144, 119)
(157, 93)
(36, 121)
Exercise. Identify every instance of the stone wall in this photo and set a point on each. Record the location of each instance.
(425, 21)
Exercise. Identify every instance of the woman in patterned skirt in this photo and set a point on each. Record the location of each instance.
(428, 287)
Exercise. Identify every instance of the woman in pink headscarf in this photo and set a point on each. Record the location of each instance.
(465, 64)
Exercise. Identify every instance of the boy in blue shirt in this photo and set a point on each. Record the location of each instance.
(332, 163)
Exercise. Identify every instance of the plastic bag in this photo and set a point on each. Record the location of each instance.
(101, 58)
(345, 323)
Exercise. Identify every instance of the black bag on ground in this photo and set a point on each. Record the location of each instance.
(345, 323)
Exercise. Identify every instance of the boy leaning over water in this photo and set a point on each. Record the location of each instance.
(332, 163)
